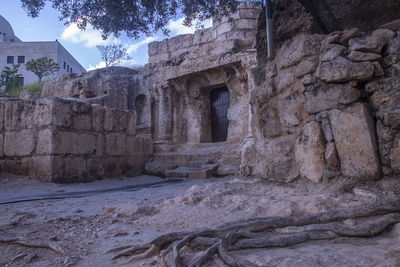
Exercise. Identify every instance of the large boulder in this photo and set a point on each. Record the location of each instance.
(343, 70)
(323, 96)
(110, 86)
(309, 152)
(355, 139)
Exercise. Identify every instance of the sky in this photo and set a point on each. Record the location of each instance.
(81, 44)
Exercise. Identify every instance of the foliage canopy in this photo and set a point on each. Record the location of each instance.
(9, 77)
(42, 67)
(112, 54)
(132, 16)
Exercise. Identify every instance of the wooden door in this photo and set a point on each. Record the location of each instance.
(220, 99)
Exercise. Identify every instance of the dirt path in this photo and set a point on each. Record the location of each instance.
(88, 226)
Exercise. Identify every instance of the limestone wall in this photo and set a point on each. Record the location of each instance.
(326, 106)
(224, 36)
(65, 141)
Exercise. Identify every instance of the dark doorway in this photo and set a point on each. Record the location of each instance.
(220, 99)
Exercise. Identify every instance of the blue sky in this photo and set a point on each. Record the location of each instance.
(81, 44)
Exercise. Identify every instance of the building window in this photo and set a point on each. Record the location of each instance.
(70, 70)
(21, 59)
(67, 68)
(64, 65)
(10, 59)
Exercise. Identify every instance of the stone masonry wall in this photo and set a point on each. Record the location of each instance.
(69, 141)
(326, 106)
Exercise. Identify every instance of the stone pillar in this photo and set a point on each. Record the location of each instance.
(165, 115)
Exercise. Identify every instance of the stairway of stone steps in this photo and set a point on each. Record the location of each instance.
(193, 162)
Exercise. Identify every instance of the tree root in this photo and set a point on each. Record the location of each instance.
(266, 233)
(34, 244)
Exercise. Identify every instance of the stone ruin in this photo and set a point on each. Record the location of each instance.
(208, 104)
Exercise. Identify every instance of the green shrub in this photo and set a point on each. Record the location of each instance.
(35, 89)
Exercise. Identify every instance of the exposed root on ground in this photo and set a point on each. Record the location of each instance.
(34, 244)
(369, 221)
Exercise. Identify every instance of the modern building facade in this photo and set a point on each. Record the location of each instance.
(15, 51)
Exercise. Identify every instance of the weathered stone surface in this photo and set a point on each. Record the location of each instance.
(309, 152)
(20, 143)
(74, 143)
(349, 34)
(293, 51)
(395, 155)
(98, 118)
(325, 96)
(393, 25)
(74, 168)
(131, 127)
(139, 144)
(354, 133)
(385, 135)
(331, 156)
(1, 145)
(277, 169)
(83, 122)
(26, 95)
(360, 56)
(332, 53)
(384, 33)
(116, 144)
(343, 70)
(272, 129)
(373, 44)
(386, 100)
(45, 142)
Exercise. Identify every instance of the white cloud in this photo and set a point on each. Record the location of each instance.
(176, 26)
(135, 46)
(90, 37)
(99, 65)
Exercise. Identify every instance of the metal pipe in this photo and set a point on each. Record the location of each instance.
(269, 29)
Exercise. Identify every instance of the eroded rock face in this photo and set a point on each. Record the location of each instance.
(110, 86)
(355, 140)
(309, 152)
(343, 70)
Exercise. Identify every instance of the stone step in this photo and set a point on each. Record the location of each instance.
(158, 168)
(204, 172)
(181, 159)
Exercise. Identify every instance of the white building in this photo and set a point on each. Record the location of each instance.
(15, 51)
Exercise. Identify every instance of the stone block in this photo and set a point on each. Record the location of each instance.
(116, 144)
(372, 44)
(343, 70)
(334, 51)
(95, 168)
(100, 145)
(395, 155)
(360, 56)
(272, 129)
(331, 156)
(74, 143)
(152, 48)
(202, 36)
(224, 28)
(393, 25)
(246, 24)
(111, 166)
(349, 34)
(20, 143)
(43, 166)
(323, 96)
(355, 140)
(74, 168)
(1, 146)
(115, 120)
(45, 143)
(98, 118)
(139, 144)
(249, 13)
(293, 51)
(61, 113)
(131, 127)
(309, 152)
(83, 122)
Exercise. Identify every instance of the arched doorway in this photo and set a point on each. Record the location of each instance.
(219, 100)
(140, 103)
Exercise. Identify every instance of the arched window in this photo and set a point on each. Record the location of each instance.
(140, 103)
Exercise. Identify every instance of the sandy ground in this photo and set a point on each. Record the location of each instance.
(130, 211)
